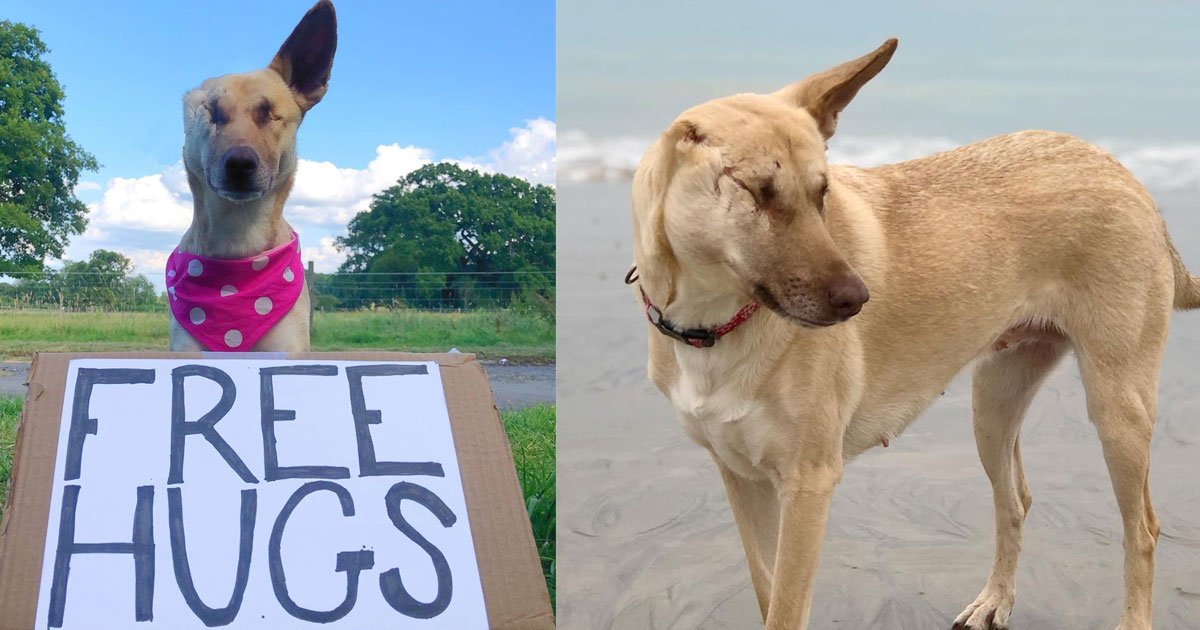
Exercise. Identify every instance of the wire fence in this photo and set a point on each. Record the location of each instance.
(94, 291)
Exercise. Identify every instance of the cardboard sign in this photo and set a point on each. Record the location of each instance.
(257, 493)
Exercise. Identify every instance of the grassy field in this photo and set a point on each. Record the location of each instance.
(530, 431)
(490, 334)
(10, 411)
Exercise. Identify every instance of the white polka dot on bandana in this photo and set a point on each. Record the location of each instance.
(228, 290)
(288, 275)
(170, 273)
(233, 338)
(263, 305)
(259, 263)
(196, 315)
(195, 268)
(172, 290)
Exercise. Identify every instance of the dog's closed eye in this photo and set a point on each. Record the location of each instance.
(218, 115)
(819, 194)
(763, 195)
(728, 172)
(264, 113)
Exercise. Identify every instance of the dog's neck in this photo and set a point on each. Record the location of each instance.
(704, 298)
(229, 229)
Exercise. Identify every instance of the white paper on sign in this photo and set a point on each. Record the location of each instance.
(257, 494)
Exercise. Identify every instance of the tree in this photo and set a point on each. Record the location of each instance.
(39, 163)
(442, 218)
(104, 281)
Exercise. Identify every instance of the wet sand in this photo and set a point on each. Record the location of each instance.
(646, 538)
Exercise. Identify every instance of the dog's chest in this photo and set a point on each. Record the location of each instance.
(719, 411)
(717, 401)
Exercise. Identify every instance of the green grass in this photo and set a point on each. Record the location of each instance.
(530, 432)
(490, 334)
(487, 333)
(10, 411)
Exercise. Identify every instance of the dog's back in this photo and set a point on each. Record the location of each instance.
(1030, 228)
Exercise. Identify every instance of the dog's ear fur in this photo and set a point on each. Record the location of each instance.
(306, 58)
(193, 104)
(656, 263)
(826, 94)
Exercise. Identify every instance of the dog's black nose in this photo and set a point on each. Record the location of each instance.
(847, 294)
(241, 162)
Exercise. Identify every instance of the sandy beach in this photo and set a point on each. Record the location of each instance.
(647, 533)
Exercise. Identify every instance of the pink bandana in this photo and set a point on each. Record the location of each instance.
(230, 304)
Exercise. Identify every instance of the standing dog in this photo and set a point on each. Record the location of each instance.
(1008, 252)
(236, 282)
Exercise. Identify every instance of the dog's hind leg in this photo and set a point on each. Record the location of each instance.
(1004, 385)
(756, 510)
(1121, 385)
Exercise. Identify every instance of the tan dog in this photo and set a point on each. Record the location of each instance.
(1008, 252)
(240, 154)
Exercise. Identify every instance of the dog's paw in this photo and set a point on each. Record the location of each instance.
(989, 611)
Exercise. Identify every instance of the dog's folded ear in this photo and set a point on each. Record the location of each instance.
(651, 251)
(306, 58)
(826, 94)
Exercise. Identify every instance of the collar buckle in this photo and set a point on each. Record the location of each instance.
(696, 337)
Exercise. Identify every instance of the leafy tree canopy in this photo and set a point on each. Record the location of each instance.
(39, 163)
(443, 218)
(105, 281)
(104, 263)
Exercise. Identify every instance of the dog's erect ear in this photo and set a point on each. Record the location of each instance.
(826, 94)
(306, 58)
(656, 263)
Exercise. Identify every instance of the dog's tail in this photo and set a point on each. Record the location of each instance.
(1187, 286)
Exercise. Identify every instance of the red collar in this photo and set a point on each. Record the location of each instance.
(695, 337)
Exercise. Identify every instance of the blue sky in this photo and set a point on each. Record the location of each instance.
(447, 80)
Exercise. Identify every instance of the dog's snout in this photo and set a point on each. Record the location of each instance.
(241, 162)
(847, 294)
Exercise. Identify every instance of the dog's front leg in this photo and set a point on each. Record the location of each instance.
(804, 498)
(755, 506)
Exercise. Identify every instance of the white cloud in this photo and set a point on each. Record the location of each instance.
(530, 154)
(143, 217)
(85, 186)
(325, 193)
(324, 256)
(154, 203)
(150, 261)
